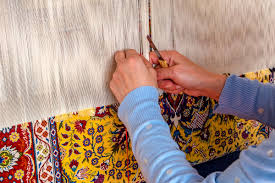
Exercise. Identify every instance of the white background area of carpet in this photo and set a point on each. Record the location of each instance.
(57, 56)
(228, 36)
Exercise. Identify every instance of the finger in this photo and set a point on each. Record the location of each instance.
(171, 57)
(119, 56)
(168, 56)
(153, 58)
(166, 53)
(174, 91)
(130, 52)
(165, 73)
(165, 84)
(194, 93)
(168, 85)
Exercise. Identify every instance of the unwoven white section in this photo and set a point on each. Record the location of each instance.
(56, 56)
(228, 36)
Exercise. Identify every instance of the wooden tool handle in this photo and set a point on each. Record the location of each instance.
(163, 63)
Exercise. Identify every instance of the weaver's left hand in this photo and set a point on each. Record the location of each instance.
(132, 71)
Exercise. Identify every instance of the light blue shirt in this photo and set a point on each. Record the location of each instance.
(159, 156)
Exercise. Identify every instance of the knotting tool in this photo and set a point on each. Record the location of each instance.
(162, 62)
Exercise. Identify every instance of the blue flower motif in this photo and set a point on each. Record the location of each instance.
(4, 139)
(1, 179)
(10, 177)
(127, 162)
(112, 172)
(94, 161)
(98, 139)
(88, 154)
(119, 175)
(118, 164)
(86, 142)
(135, 166)
(100, 128)
(91, 131)
(100, 150)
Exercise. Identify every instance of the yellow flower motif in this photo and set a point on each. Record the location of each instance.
(14, 136)
(40, 158)
(45, 151)
(19, 174)
(39, 147)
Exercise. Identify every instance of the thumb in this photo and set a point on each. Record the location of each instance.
(165, 73)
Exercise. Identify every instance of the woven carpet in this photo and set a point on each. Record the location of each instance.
(90, 145)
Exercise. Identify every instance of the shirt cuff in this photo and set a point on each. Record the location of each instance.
(139, 106)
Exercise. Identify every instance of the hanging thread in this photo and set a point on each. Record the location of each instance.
(127, 159)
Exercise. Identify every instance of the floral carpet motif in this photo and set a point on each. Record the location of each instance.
(203, 135)
(91, 146)
(26, 153)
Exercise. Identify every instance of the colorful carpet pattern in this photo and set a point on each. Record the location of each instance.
(90, 145)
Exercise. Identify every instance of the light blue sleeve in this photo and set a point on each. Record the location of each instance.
(157, 153)
(248, 99)
(159, 156)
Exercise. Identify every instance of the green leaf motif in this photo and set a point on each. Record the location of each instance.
(60, 125)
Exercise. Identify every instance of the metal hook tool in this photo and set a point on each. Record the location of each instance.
(162, 62)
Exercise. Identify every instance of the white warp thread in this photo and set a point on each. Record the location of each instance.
(228, 36)
(56, 56)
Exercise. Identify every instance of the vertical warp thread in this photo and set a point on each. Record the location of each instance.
(127, 156)
(57, 56)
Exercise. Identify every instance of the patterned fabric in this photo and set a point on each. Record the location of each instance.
(204, 136)
(90, 145)
(93, 146)
(27, 155)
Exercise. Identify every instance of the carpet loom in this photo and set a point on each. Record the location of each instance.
(56, 61)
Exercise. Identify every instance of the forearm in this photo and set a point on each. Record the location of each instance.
(157, 153)
(248, 99)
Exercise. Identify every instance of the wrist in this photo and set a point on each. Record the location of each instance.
(215, 85)
(139, 106)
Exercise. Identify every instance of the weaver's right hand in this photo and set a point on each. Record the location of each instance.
(183, 75)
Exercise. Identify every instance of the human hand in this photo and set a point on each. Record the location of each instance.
(132, 71)
(183, 75)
